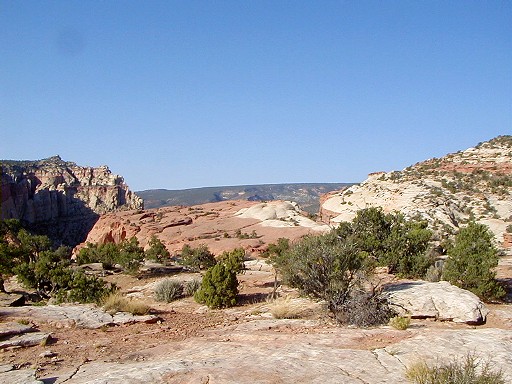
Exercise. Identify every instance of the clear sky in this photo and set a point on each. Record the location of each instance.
(181, 94)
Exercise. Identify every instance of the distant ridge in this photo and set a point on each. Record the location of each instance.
(307, 195)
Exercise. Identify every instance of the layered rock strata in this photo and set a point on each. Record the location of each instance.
(61, 199)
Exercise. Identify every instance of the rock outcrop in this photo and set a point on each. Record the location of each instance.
(447, 192)
(61, 199)
(221, 226)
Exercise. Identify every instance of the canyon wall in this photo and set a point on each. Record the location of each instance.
(61, 199)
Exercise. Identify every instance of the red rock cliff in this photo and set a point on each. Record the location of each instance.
(60, 198)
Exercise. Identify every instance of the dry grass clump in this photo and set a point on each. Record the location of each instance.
(400, 322)
(469, 370)
(169, 290)
(118, 303)
(285, 308)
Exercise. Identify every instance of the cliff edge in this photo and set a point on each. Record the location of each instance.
(60, 198)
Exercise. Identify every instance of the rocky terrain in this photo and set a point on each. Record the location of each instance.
(61, 199)
(472, 184)
(185, 342)
(307, 195)
(221, 226)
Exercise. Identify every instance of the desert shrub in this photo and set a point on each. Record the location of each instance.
(285, 309)
(234, 260)
(116, 302)
(48, 271)
(52, 276)
(471, 262)
(192, 286)
(406, 247)
(391, 240)
(277, 249)
(364, 308)
(157, 251)
(127, 253)
(469, 370)
(400, 322)
(330, 268)
(168, 290)
(131, 255)
(509, 228)
(219, 287)
(197, 258)
(83, 289)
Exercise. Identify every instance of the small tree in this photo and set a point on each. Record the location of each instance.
(471, 262)
(157, 251)
(219, 287)
(197, 258)
(406, 247)
(234, 260)
(128, 254)
(390, 240)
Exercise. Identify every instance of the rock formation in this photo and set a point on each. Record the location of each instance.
(221, 226)
(447, 192)
(61, 199)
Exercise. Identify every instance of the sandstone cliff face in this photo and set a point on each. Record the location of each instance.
(60, 198)
(471, 184)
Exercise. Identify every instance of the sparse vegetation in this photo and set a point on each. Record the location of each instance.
(192, 286)
(330, 268)
(116, 302)
(169, 290)
(337, 266)
(400, 322)
(285, 308)
(469, 370)
(433, 274)
(390, 240)
(128, 254)
(37, 266)
(234, 260)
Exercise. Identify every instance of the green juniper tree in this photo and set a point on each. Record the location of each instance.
(471, 262)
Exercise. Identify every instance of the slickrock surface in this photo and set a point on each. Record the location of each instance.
(271, 352)
(221, 226)
(67, 316)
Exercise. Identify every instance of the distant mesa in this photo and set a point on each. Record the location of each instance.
(60, 198)
(307, 195)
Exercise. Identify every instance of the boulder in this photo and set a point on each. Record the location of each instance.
(442, 301)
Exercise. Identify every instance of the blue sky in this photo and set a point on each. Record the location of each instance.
(181, 94)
